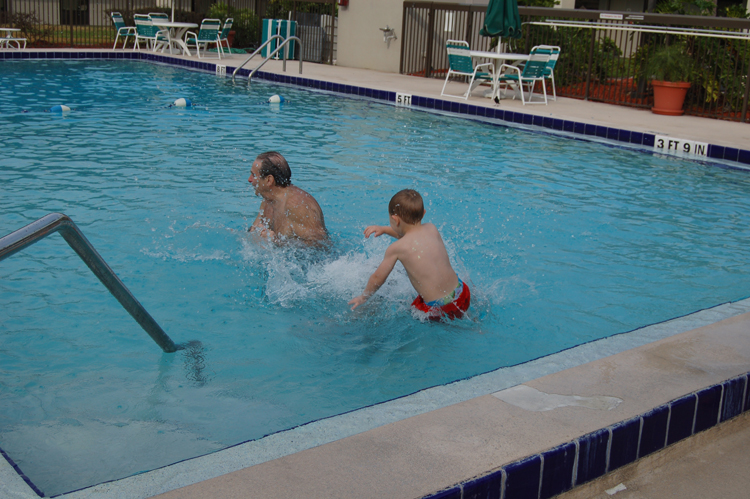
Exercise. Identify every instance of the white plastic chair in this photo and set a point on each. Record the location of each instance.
(460, 63)
(224, 36)
(208, 33)
(123, 30)
(533, 72)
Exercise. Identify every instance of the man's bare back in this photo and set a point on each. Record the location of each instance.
(286, 212)
(295, 215)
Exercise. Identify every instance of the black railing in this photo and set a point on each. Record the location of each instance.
(604, 65)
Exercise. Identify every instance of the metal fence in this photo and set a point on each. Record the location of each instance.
(87, 23)
(605, 65)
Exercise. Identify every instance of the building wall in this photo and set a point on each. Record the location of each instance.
(360, 40)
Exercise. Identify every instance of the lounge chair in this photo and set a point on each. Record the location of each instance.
(208, 33)
(533, 72)
(224, 36)
(124, 31)
(146, 31)
(459, 60)
(549, 71)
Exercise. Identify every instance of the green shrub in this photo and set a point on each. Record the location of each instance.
(670, 63)
(245, 24)
(30, 26)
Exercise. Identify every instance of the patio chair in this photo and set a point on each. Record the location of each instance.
(224, 36)
(549, 71)
(146, 31)
(533, 72)
(208, 33)
(124, 31)
(158, 15)
(460, 63)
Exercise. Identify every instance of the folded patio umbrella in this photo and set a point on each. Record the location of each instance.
(502, 19)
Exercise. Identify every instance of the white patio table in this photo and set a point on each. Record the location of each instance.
(5, 40)
(175, 33)
(499, 59)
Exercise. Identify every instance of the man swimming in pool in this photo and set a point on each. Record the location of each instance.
(286, 212)
(421, 251)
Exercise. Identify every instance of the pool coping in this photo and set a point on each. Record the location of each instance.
(563, 451)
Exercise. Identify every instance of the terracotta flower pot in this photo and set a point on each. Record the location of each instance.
(669, 97)
(230, 38)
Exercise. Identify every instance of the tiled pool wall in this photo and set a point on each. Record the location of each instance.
(593, 455)
(639, 139)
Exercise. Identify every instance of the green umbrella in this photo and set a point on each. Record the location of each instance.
(502, 19)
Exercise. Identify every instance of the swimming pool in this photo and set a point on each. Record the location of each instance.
(559, 252)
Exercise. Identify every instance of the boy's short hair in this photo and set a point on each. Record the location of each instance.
(274, 164)
(408, 205)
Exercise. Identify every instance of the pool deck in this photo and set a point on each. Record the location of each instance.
(683, 383)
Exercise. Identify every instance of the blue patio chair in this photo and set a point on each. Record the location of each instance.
(532, 73)
(460, 63)
(224, 36)
(146, 31)
(549, 71)
(208, 34)
(123, 30)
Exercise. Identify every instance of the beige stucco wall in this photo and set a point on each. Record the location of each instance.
(360, 41)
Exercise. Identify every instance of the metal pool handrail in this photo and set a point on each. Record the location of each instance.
(276, 51)
(58, 222)
(274, 37)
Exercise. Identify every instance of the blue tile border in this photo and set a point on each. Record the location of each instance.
(590, 456)
(21, 473)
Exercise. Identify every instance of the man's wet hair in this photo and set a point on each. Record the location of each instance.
(408, 205)
(274, 164)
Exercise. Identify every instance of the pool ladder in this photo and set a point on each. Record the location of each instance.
(276, 51)
(57, 222)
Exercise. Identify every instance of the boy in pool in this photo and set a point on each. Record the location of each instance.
(421, 251)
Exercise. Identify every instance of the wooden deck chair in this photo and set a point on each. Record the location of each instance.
(533, 72)
(208, 34)
(460, 63)
(123, 30)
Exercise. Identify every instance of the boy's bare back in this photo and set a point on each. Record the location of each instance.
(422, 253)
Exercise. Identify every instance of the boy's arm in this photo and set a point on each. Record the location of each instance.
(379, 230)
(377, 278)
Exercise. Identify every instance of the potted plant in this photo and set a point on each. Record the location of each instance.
(670, 68)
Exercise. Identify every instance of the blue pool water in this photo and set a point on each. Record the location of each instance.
(562, 242)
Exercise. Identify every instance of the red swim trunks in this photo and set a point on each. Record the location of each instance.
(453, 310)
